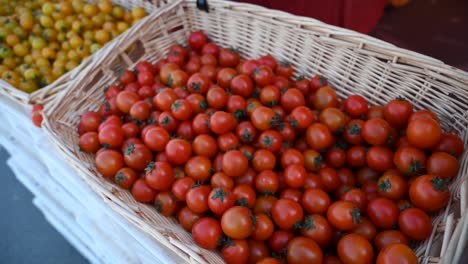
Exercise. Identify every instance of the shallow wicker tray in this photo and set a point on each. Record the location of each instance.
(46, 93)
(353, 62)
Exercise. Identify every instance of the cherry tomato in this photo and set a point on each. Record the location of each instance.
(125, 177)
(287, 214)
(397, 253)
(319, 136)
(451, 144)
(304, 250)
(379, 158)
(181, 186)
(228, 58)
(356, 105)
(222, 122)
(343, 215)
(264, 118)
(315, 201)
(237, 222)
(325, 97)
(376, 131)
(207, 232)
(429, 193)
(423, 133)
(137, 156)
(89, 142)
(415, 223)
(197, 198)
(160, 175)
(397, 112)
(142, 192)
(197, 40)
(443, 165)
(236, 251)
(353, 248)
(356, 196)
(292, 98)
(178, 151)
(383, 212)
(235, 163)
(187, 218)
(109, 162)
(388, 237)
(392, 186)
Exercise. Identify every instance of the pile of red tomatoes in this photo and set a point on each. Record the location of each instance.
(268, 169)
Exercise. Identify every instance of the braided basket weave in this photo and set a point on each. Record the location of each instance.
(46, 93)
(354, 64)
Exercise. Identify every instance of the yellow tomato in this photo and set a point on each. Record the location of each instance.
(77, 27)
(12, 40)
(83, 51)
(78, 5)
(11, 77)
(48, 53)
(73, 55)
(109, 26)
(31, 74)
(10, 62)
(66, 8)
(58, 71)
(46, 21)
(102, 36)
(49, 34)
(95, 47)
(27, 21)
(122, 26)
(20, 50)
(105, 6)
(138, 13)
(28, 86)
(43, 63)
(76, 41)
(90, 10)
(28, 59)
(61, 26)
(38, 43)
(48, 9)
(71, 65)
(118, 11)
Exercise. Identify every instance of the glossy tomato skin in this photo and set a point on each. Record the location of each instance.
(393, 186)
(304, 250)
(451, 144)
(388, 237)
(178, 151)
(187, 218)
(397, 253)
(415, 223)
(270, 140)
(197, 198)
(156, 138)
(245, 195)
(205, 145)
(111, 136)
(423, 133)
(137, 156)
(224, 77)
(315, 201)
(242, 85)
(160, 175)
(325, 97)
(343, 215)
(287, 213)
(198, 168)
(383, 212)
(220, 200)
(443, 165)
(89, 142)
(109, 162)
(397, 112)
(292, 98)
(207, 232)
(237, 222)
(356, 196)
(228, 58)
(353, 248)
(125, 177)
(222, 122)
(317, 228)
(410, 160)
(429, 193)
(353, 132)
(376, 131)
(235, 163)
(379, 158)
(258, 251)
(181, 186)
(319, 137)
(142, 192)
(166, 203)
(356, 106)
(197, 40)
(295, 175)
(236, 252)
(366, 229)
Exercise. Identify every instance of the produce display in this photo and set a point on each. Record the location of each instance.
(268, 169)
(42, 40)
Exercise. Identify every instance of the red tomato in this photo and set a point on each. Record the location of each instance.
(379, 158)
(325, 97)
(295, 175)
(267, 181)
(415, 223)
(429, 193)
(199, 168)
(319, 136)
(220, 200)
(263, 75)
(315, 201)
(301, 117)
(287, 214)
(198, 83)
(187, 218)
(235, 163)
(125, 177)
(397, 253)
(383, 212)
(245, 195)
(237, 222)
(343, 215)
(181, 186)
(166, 203)
(304, 250)
(109, 162)
(205, 145)
(222, 122)
(89, 142)
(236, 251)
(356, 106)
(397, 112)
(451, 144)
(376, 131)
(228, 58)
(356, 196)
(178, 151)
(423, 133)
(388, 237)
(366, 229)
(217, 97)
(207, 232)
(225, 76)
(197, 198)
(142, 192)
(242, 85)
(292, 98)
(353, 248)
(443, 165)
(197, 40)
(137, 156)
(159, 175)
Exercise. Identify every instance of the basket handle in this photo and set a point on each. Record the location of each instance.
(203, 5)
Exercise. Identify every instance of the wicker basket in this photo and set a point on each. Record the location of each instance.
(354, 63)
(46, 93)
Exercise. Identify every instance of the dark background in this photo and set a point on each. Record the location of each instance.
(438, 28)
